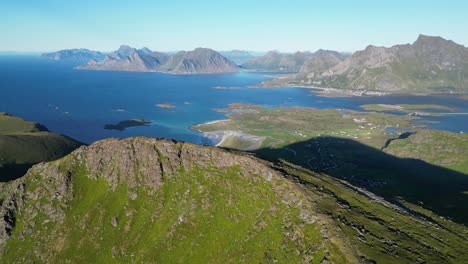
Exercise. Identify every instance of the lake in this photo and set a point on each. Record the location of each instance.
(80, 103)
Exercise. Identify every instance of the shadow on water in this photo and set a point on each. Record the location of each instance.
(436, 188)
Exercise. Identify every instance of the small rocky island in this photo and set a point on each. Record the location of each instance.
(121, 126)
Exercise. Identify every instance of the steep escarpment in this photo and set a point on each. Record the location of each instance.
(198, 61)
(150, 200)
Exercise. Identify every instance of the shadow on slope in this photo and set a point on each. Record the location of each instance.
(11, 172)
(19, 152)
(438, 189)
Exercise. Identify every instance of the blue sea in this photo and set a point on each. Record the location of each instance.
(79, 103)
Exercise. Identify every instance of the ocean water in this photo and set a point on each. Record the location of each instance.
(79, 103)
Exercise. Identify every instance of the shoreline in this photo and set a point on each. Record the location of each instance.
(337, 92)
(234, 139)
(213, 122)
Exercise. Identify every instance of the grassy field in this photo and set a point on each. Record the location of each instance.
(424, 167)
(284, 126)
(405, 107)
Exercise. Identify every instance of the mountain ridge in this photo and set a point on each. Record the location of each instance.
(143, 199)
(428, 65)
(276, 61)
(74, 54)
(198, 61)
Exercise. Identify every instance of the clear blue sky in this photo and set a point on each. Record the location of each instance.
(285, 25)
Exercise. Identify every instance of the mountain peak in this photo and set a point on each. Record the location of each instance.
(200, 60)
(145, 51)
(125, 47)
(272, 53)
(424, 40)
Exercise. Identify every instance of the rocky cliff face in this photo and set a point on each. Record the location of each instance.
(198, 61)
(150, 200)
(430, 64)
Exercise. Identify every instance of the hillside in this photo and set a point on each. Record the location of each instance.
(372, 150)
(296, 62)
(74, 54)
(150, 200)
(275, 61)
(429, 65)
(25, 143)
(198, 61)
(124, 51)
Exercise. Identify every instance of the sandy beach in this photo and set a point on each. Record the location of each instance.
(235, 139)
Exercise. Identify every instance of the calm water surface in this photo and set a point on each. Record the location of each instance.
(79, 103)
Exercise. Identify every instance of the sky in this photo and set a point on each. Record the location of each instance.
(255, 25)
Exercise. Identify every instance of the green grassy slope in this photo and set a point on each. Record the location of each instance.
(157, 201)
(427, 168)
(200, 214)
(24, 143)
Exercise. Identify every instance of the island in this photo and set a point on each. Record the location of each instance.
(198, 61)
(121, 126)
(166, 105)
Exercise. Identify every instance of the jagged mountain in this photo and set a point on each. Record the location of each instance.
(200, 60)
(74, 54)
(430, 64)
(237, 56)
(149, 200)
(124, 51)
(322, 60)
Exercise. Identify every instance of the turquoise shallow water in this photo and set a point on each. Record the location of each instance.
(79, 103)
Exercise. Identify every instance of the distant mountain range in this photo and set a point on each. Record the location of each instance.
(430, 64)
(275, 61)
(200, 60)
(74, 54)
(124, 51)
(237, 56)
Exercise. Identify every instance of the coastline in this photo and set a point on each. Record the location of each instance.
(338, 92)
(232, 138)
